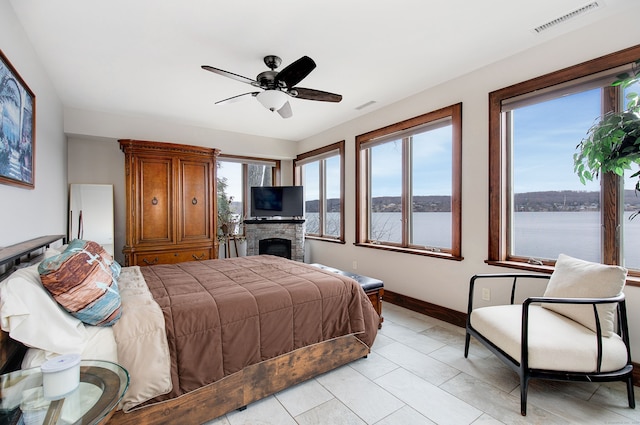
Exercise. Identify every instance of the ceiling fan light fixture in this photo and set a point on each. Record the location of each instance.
(272, 99)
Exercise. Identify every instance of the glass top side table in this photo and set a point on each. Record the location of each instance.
(102, 386)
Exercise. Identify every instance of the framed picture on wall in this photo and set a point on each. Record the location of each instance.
(17, 128)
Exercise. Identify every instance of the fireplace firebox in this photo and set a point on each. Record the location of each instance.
(275, 246)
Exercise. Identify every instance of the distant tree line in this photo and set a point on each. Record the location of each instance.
(566, 200)
(392, 204)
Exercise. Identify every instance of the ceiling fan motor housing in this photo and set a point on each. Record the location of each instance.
(267, 79)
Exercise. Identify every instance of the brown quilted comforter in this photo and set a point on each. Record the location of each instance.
(223, 315)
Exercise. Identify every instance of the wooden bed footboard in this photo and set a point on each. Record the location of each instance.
(248, 385)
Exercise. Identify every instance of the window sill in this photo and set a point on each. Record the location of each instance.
(631, 280)
(320, 238)
(413, 251)
(522, 266)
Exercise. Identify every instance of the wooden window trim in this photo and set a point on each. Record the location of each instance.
(498, 190)
(454, 112)
(297, 167)
(245, 160)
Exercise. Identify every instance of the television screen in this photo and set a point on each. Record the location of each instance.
(277, 201)
(267, 198)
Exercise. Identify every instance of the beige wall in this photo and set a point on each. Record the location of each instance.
(24, 213)
(83, 124)
(445, 282)
(100, 161)
(94, 157)
(94, 154)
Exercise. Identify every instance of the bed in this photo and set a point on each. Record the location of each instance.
(225, 333)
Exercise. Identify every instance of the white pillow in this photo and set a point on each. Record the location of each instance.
(574, 278)
(101, 345)
(33, 317)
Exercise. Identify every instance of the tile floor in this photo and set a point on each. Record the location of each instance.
(417, 374)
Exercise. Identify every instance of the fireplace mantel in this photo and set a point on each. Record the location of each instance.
(275, 221)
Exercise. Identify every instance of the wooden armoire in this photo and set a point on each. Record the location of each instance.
(170, 203)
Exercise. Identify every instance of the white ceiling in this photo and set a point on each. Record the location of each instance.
(143, 57)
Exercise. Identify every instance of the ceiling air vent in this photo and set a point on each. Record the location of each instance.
(584, 9)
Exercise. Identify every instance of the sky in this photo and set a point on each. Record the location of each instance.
(431, 170)
(233, 172)
(546, 136)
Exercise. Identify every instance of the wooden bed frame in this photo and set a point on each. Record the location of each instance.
(248, 385)
(238, 390)
(233, 392)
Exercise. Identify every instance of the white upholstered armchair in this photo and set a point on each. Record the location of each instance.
(577, 331)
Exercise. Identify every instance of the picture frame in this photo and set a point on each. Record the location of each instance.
(17, 128)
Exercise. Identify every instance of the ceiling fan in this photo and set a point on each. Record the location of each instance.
(279, 86)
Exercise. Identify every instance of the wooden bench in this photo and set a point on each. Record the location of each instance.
(373, 288)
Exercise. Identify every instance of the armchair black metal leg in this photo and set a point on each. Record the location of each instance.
(466, 345)
(524, 383)
(630, 394)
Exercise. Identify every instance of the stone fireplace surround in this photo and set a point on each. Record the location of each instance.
(290, 229)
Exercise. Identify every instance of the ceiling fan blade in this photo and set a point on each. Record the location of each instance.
(285, 111)
(311, 94)
(296, 71)
(230, 75)
(236, 98)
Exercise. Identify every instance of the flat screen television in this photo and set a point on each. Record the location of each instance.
(277, 201)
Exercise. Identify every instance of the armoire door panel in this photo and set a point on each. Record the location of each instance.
(195, 220)
(156, 201)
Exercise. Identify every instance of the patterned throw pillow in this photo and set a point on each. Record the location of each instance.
(82, 279)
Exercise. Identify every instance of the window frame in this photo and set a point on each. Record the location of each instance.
(499, 167)
(320, 155)
(245, 161)
(452, 112)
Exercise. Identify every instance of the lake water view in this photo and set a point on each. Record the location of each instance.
(536, 234)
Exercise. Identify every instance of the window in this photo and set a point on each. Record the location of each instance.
(538, 207)
(409, 185)
(321, 173)
(235, 177)
(631, 227)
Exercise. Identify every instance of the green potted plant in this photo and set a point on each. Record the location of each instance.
(225, 213)
(612, 144)
(226, 218)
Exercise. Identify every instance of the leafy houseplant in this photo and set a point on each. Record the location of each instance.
(613, 143)
(225, 215)
(227, 222)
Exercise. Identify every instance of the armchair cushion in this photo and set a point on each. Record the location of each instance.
(574, 278)
(555, 342)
